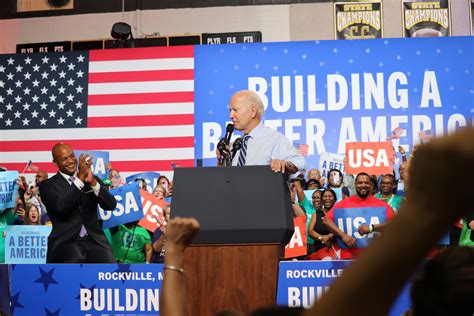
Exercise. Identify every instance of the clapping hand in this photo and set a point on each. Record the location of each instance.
(85, 171)
(180, 232)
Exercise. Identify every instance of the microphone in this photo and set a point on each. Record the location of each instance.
(236, 146)
(224, 142)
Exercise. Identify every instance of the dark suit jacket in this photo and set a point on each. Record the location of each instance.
(69, 208)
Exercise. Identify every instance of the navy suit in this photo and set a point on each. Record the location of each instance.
(69, 208)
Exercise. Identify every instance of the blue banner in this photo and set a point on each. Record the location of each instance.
(349, 219)
(8, 189)
(301, 283)
(4, 290)
(89, 289)
(100, 161)
(150, 178)
(327, 93)
(129, 207)
(26, 243)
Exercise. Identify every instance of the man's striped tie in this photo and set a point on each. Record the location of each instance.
(243, 152)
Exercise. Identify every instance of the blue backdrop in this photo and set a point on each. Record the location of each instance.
(326, 93)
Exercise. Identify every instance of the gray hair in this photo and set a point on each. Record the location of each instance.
(252, 98)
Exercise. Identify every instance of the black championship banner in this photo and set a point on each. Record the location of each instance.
(358, 20)
(426, 18)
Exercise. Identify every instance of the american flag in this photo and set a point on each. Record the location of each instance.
(396, 133)
(138, 104)
(31, 167)
(302, 149)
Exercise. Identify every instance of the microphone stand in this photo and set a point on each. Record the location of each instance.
(228, 160)
(226, 155)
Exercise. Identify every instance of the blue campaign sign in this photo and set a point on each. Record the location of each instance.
(150, 178)
(100, 161)
(89, 289)
(327, 93)
(26, 243)
(129, 207)
(338, 192)
(349, 219)
(301, 283)
(8, 189)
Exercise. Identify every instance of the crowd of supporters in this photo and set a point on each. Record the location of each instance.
(313, 196)
(130, 242)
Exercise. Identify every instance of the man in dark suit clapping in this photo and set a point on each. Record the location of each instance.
(71, 198)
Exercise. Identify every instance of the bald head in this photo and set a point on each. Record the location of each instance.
(64, 158)
(41, 175)
(314, 174)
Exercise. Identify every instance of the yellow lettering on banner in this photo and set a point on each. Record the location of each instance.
(425, 5)
(358, 7)
(371, 18)
(438, 16)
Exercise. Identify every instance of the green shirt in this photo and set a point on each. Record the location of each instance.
(128, 244)
(395, 201)
(6, 218)
(309, 209)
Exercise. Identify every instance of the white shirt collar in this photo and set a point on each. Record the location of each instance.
(65, 176)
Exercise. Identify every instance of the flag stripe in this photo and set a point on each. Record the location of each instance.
(141, 109)
(149, 120)
(137, 98)
(144, 166)
(100, 144)
(141, 65)
(136, 166)
(141, 87)
(130, 76)
(142, 53)
(117, 155)
(105, 133)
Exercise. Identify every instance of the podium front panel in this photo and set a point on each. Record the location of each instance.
(234, 205)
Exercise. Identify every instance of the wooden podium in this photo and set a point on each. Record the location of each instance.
(231, 277)
(246, 219)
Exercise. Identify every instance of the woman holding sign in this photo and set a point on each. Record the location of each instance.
(323, 238)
